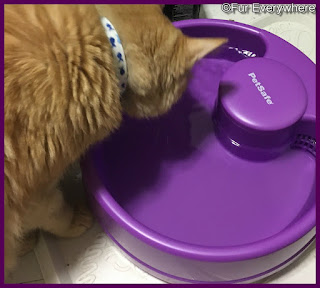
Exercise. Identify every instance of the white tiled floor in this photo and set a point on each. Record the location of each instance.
(301, 271)
(28, 271)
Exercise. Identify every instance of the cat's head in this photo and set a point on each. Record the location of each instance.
(159, 58)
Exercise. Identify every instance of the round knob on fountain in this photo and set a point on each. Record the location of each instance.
(260, 101)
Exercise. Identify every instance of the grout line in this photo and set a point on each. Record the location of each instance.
(48, 270)
(31, 281)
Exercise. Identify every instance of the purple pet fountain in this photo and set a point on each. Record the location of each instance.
(222, 188)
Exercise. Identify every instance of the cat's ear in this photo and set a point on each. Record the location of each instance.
(200, 47)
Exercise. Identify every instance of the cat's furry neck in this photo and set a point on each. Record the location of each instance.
(63, 98)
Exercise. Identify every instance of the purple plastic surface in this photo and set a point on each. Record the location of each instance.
(186, 188)
(260, 102)
(284, 100)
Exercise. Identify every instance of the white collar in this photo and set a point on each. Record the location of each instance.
(119, 58)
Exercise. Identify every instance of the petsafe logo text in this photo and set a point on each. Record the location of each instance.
(260, 88)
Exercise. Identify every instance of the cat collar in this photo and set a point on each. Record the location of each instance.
(119, 58)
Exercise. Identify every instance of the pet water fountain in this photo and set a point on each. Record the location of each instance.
(222, 188)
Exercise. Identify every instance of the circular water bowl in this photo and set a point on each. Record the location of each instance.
(222, 188)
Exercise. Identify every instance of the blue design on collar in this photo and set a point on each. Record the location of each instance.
(119, 58)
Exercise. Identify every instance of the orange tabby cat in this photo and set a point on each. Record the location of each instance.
(62, 95)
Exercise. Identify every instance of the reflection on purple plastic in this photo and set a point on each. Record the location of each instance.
(235, 54)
